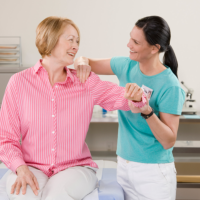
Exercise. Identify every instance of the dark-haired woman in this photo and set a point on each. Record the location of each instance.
(145, 141)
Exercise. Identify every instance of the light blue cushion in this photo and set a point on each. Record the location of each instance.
(109, 189)
(2, 172)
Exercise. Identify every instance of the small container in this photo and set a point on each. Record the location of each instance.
(104, 111)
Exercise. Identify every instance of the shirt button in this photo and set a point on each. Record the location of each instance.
(51, 164)
(53, 115)
(52, 149)
(52, 99)
(53, 132)
(56, 86)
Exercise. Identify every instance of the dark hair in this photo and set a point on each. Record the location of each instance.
(157, 31)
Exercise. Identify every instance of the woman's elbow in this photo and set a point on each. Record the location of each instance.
(170, 142)
(169, 145)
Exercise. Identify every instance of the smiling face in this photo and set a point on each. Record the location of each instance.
(140, 49)
(67, 46)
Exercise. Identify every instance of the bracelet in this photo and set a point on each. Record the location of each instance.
(149, 115)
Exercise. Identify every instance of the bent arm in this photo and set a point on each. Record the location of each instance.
(164, 129)
(10, 148)
(170, 106)
(108, 95)
(101, 66)
(84, 65)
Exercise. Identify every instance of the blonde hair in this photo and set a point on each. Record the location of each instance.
(49, 31)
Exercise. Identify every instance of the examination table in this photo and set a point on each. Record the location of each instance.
(108, 188)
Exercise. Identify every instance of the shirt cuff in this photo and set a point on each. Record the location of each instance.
(16, 163)
(141, 103)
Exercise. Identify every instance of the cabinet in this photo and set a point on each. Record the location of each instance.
(10, 52)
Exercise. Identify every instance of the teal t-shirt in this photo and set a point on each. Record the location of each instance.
(136, 141)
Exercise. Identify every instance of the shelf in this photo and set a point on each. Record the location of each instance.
(10, 45)
(100, 118)
(187, 144)
(187, 157)
(108, 118)
(178, 157)
(104, 155)
(9, 56)
(17, 50)
(13, 61)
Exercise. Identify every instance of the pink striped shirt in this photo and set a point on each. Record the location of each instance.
(52, 121)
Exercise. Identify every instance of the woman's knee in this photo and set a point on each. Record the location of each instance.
(74, 183)
(84, 182)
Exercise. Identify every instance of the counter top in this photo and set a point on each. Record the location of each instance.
(110, 118)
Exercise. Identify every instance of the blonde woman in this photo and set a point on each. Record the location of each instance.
(51, 110)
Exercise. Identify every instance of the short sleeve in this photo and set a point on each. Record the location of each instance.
(117, 65)
(172, 101)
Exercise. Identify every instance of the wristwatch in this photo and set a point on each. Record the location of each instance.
(149, 115)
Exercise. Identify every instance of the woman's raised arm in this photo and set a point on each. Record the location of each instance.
(85, 65)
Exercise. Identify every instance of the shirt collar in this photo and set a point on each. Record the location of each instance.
(69, 74)
(38, 66)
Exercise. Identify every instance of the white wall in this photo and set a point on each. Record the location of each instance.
(105, 26)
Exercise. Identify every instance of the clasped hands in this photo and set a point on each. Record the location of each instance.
(132, 91)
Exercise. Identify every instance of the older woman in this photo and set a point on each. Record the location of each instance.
(50, 110)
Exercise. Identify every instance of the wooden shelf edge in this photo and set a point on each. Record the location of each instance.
(188, 179)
